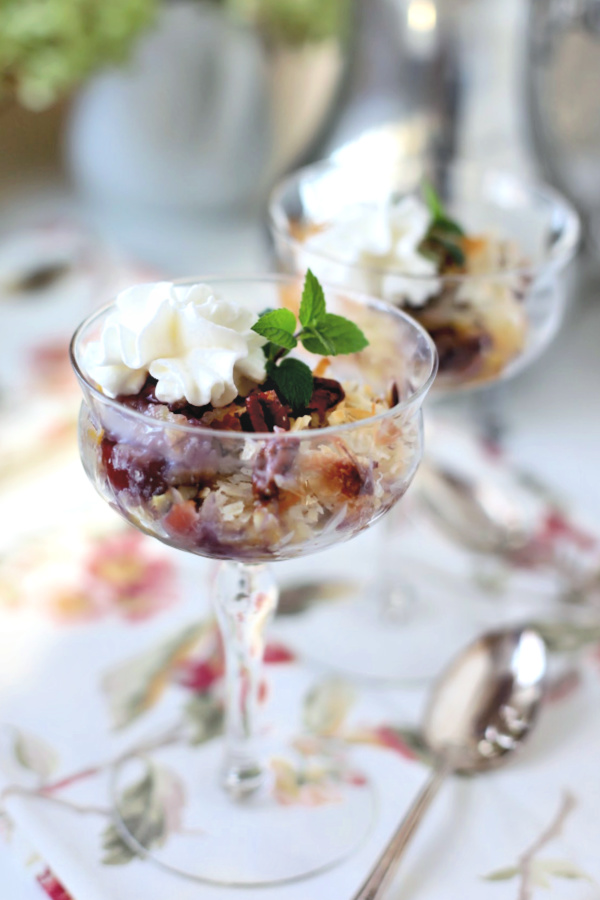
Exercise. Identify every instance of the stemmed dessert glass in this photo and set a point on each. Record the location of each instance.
(249, 499)
(488, 324)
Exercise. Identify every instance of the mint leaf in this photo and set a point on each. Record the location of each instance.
(276, 318)
(271, 351)
(333, 335)
(294, 381)
(439, 218)
(317, 342)
(342, 334)
(441, 250)
(448, 248)
(432, 199)
(312, 306)
(443, 223)
(278, 327)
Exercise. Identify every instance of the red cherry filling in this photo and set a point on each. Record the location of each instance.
(275, 458)
(346, 478)
(128, 470)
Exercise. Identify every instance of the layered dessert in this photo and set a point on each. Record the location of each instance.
(467, 290)
(227, 434)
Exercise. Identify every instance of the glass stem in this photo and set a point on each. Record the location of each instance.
(245, 599)
(396, 597)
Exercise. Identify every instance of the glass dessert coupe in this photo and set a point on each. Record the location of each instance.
(491, 313)
(476, 255)
(249, 497)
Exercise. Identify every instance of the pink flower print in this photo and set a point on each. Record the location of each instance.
(124, 575)
(199, 675)
(200, 671)
(557, 527)
(556, 531)
(50, 367)
(403, 741)
(278, 653)
(52, 887)
(391, 739)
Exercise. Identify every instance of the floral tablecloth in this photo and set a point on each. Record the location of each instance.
(108, 651)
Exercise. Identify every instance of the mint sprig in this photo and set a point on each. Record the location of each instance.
(442, 243)
(322, 333)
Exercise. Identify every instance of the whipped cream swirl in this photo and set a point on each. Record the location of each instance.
(198, 346)
(385, 237)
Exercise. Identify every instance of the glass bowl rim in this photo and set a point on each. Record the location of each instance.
(305, 434)
(558, 257)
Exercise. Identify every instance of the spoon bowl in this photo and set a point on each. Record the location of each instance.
(475, 512)
(487, 700)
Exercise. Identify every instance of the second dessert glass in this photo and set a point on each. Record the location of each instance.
(489, 321)
(249, 499)
(358, 221)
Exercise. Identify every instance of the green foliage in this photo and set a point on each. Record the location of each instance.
(150, 808)
(48, 47)
(327, 706)
(294, 21)
(204, 714)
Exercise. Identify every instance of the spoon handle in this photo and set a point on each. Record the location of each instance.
(386, 865)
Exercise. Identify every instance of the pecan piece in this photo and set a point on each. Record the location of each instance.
(266, 411)
(255, 412)
(225, 418)
(327, 393)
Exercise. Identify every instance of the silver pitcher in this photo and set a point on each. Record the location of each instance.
(207, 113)
(562, 99)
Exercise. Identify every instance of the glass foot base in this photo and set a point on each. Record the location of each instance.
(311, 813)
(358, 639)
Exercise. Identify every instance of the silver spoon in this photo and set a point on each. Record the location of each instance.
(485, 518)
(476, 512)
(480, 711)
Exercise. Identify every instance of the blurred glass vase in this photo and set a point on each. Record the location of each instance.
(208, 112)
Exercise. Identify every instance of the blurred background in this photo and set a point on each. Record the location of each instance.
(131, 114)
(139, 139)
(159, 124)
